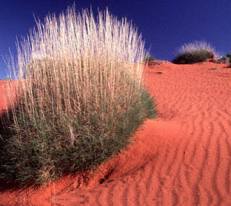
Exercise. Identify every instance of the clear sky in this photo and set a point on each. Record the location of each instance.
(164, 24)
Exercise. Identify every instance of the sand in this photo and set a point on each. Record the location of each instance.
(183, 157)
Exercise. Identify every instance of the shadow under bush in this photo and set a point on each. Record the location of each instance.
(40, 152)
(193, 57)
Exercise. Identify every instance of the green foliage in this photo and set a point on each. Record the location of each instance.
(37, 152)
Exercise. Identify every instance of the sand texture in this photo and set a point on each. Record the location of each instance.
(183, 157)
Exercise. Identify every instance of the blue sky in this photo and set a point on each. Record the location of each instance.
(164, 24)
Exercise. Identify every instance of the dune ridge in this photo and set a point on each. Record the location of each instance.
(181, 158)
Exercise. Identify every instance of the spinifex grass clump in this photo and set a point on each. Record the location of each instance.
(79, 99)
(194, 52)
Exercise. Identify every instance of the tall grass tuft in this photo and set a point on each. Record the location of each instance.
(194, 52)
(79, 97)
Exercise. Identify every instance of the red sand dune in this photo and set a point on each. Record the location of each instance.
(181, 158)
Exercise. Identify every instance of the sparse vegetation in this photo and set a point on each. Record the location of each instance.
(79, 97)
(228, 58)
(194, 52)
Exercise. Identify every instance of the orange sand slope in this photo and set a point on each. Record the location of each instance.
(181, 158)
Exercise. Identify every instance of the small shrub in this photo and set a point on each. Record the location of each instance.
(226, 59)
(222, 60)
(79, 97)
(194, 52)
